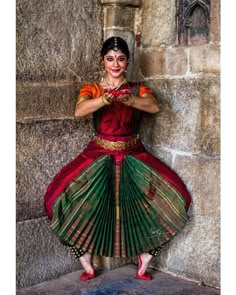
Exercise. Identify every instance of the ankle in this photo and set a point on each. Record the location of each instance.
(144, 261)
(85, 261)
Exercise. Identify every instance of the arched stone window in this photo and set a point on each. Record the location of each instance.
(193, 21)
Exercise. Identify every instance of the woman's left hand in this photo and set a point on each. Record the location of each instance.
(119, 95)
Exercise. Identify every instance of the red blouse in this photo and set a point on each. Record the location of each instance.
(117, 119)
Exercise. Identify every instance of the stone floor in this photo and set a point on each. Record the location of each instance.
(120, 281)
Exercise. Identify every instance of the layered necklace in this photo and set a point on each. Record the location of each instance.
(115, 87)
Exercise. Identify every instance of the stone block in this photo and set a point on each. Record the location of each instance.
(195, 252)
(171, 61)
(152, 62)
(205, 59)
(210, 118)
(58, 40)
(158, 23)
(135, 3)
(43, 148)
(40, 256)
(176, 61)
(164, 155)
(215, 21)
(202, 176)
(41, 101)
(119, 16)
(189, 116)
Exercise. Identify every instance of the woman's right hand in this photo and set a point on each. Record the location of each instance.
(117, 95)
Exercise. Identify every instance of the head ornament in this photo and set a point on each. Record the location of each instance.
(115, 44)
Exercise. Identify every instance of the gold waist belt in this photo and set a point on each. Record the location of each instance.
(115, 145)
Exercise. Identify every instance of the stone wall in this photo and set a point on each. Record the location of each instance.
(58, 49)
(185, 134)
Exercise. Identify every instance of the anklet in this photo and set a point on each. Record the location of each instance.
(75, 251)
(155, 252)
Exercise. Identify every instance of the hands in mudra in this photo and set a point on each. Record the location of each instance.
(123, 95)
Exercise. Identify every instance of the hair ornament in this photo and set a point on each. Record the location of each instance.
(115, 42)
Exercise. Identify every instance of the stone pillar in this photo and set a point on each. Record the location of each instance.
(119, 20)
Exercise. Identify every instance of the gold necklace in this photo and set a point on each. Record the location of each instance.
(117, 87)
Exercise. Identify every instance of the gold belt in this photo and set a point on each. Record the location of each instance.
(115, 145)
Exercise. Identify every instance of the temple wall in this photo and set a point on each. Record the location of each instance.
(56, 54)
(185, 134)
(58, 50)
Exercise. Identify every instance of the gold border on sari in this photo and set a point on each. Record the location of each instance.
(116, 145)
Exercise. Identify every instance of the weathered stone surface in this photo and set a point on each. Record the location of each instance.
(58, 39)
(164, 61)
(215, 21)
(134, 3)
(40, 256)
(152, 62)
(158, 23)
(202, 177)
(205, 59)
(119, 16)
(43, 148)
(120, 281)
(43, 101)
(195, 252)
(189, 115)
(110, 263)
(164, 155)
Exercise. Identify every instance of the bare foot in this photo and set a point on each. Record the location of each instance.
(85, 260)
(146, 259)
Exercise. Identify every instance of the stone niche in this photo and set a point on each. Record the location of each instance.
(193, 21)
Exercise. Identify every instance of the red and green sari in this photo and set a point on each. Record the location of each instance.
(115, 199)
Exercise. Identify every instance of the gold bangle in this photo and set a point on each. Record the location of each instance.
(105, 100)
(131, 103)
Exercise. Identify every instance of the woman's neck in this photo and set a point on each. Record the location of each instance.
(114, 82)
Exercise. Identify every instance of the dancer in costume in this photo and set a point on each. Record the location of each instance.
(116, 199)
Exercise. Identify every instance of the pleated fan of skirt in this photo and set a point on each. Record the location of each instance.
(118, 208)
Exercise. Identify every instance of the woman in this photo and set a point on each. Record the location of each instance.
(115, 199)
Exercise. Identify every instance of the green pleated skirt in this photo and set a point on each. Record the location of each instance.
(118, 208)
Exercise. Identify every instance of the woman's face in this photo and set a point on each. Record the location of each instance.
(115, 63)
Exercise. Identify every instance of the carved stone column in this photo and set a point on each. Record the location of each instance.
(119, 18)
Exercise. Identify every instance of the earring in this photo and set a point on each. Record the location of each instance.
(103, 68)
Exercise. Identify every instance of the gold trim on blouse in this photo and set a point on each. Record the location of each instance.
(82, 98)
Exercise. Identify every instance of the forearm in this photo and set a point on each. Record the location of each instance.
(147, 104)
(88, 107)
